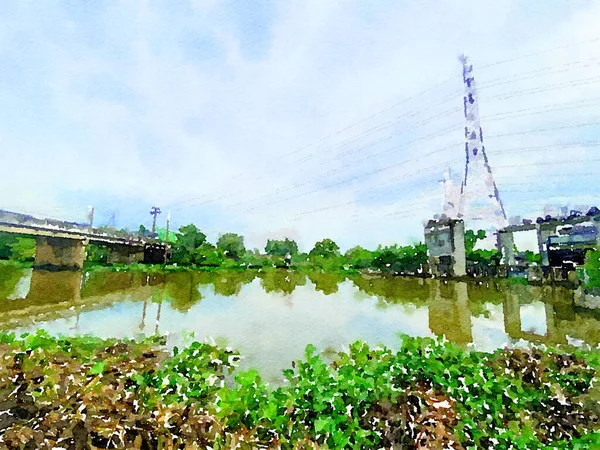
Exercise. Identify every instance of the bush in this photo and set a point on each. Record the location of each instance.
(82, 392)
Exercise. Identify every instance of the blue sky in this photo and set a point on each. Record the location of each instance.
(291, 118)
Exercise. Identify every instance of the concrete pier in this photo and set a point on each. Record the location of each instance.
(123, 254)
(56, 253)
(445, 239)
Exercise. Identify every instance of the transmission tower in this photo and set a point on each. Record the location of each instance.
(154, 211)
(479, 205)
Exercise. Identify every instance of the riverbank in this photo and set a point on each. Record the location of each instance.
(86, 392)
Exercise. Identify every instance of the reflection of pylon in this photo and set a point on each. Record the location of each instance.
(479, 196)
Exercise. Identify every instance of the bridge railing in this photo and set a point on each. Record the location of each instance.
(18, 220)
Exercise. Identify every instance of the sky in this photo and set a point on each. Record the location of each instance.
(304, 119)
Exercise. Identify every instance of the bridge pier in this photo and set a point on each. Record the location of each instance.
(59, 253)
(506, 245)
(124, 254)
(445, 239)
(544, 231)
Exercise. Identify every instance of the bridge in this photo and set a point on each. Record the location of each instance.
(62, 245)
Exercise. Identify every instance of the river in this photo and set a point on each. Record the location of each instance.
(271, 317)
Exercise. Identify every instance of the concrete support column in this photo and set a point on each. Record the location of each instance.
(123, 254)
(459, 256)
(445, 242)
(506, 245)
(544, 231)
(59, 253)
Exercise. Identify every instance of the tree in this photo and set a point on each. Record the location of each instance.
(232, 245)
(398, 259)
(143, 231)
(96, 253)
(359, 258)
(24, 249)
(207, 255)
(16, 247)
(188, 240)
(325, 249)
(276, 247)
(481, 260)
(7, 240)
(471, 238)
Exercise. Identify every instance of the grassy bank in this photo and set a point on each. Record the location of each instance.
(89, 393)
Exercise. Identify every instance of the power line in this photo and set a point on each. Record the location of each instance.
(379, 170)
(395, 105)
(380, 127)
(540, 52)
(560, 68)
(574, 83)
(436, 134)
(539, 148)
(516, 133)
(370, 131)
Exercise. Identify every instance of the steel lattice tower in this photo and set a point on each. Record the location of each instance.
(479, 197)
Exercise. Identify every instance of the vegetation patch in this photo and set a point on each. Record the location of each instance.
(86, 393)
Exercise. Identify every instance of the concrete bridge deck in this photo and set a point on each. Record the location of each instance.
(61, 244)
(23, 224)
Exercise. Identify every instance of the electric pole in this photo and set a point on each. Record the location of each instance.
(167, 236)
(91, 216)
(154, 211)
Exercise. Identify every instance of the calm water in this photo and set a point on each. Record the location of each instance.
(270, 317)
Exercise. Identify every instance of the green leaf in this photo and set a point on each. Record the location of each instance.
(97, 369)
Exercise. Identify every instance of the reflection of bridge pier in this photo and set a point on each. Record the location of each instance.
(513, 324)
(51, 294)
(54, 287)
(449, 312)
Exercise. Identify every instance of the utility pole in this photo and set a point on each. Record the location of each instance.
(167, 236)
(154, 211)
(91, 216)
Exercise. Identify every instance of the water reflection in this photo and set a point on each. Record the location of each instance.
(272, 315)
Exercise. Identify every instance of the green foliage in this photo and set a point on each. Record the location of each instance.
(143, 231)
(480, 257)
(232, 245)
(192, 375)
(359, 258)
(324, 249)
(533, 257)
(428, 393)
(187, 241)
(96, 253)
(300, 259)
(23, 249)
(281, 247)
(485, 257)
(16, 247)
(208, 255)
(253, 260)
(592, 269)
(162, 235)
(471, 238)
(400, 259)
(7, 240)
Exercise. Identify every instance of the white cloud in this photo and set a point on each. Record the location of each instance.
(137, 111)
